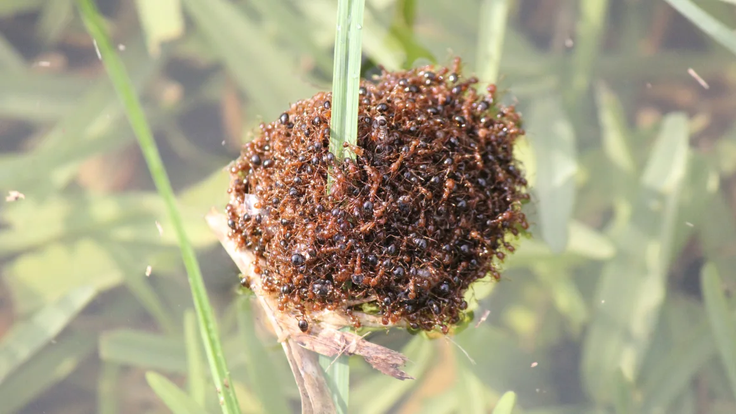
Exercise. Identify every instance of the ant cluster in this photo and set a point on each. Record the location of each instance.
(421, 212)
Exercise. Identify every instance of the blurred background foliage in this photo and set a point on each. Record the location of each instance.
(620, 303)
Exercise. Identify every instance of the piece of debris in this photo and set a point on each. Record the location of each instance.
(483, 317)
(697, 77)
(14, 196)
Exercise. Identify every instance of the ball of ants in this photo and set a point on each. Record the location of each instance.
(426, 205)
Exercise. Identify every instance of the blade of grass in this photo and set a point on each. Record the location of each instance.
(11, 7)
(554, 142)
(402, 29)
(591, 24)
(195, 367)
(493, 17)
(707, 23)
(506, 403)
(469, 388)
(259, 67)
(346, 76)
(673, 375)
(337, 376)
(419, 350)
(140, 286)
(55, 16)
(614, 131)
(205, 314)
(143, 350)
(261, 371)
(10, 60)
(721, 322)
(49, 367)
(174, 398)
(107, 388)
(632, 285)
(26, 338)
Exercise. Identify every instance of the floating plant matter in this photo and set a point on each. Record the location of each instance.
(424, 209)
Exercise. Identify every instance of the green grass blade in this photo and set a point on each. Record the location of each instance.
(124, 88)
(506, 403)
(174, 398)
(195, 368)
(346, 76)
(107, 387)
(632, 285)
(707, 23)
(390, 391)
(344, 129)
(50, 366)
(469, 390)
(402, 29)
(493, 17)
(143, 350)
(721, 322)
(262, 373)
(10, 60)
(591, 24)
(260, 67)
(553, 139)
(674, 374)
(614, 131)
(26, 338)
(337, 376)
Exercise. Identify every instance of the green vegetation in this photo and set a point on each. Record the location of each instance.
(617, 304)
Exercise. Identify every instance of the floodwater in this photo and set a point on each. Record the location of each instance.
(619, 301)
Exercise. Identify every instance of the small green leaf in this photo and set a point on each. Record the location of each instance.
(25, 338)
(174, 398)
(721, 321)
(506, 404)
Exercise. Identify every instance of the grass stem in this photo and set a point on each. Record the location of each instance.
(124, 88)
(346, 76)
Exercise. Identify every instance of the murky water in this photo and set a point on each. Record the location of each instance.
(630, 151)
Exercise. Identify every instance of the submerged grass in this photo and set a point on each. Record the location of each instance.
(666, 355)
(205, 315)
